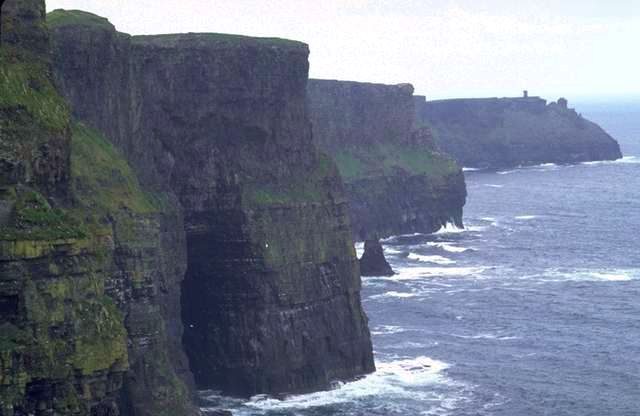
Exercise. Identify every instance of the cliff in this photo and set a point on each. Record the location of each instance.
(83, 254)
(396, 178)
(509, 132)
(271, 295)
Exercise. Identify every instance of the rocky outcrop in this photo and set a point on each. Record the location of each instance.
(509, 132)
(397, 179)
(373, 262)
(271, 298)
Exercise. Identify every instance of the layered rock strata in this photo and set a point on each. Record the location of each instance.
(87, 259)
(271, 297)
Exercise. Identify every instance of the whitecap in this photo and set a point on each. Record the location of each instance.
(491, 185)
(487, 336)
(450, 247)
(431, 259)
(359, 249)
(526, 217)
(391, 250)
(396, 237)
(506, 172)
(590, 275)
(416, 273)
(450, 228)
(394, 294)
(387, 330)
(470, 169)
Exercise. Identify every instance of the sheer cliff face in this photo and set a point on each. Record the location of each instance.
(507, 132)
(271, 297)
(86, 271)
(397, 180)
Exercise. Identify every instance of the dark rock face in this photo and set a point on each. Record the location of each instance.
(508, 132)
(89, 263)
(397, 180)
(271, 295)
(372, 262)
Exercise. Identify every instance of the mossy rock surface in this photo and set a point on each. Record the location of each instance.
(102, 178)
(61, 17)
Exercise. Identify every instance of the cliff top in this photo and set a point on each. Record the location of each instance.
(487, 99)
(61, 17)
(215, 40)
(405, 87)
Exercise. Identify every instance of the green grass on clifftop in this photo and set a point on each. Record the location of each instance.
(61, 17)
(386, 159)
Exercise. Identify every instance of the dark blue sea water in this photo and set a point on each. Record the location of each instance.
(534, 309)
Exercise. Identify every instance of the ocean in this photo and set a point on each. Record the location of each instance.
(533, 309)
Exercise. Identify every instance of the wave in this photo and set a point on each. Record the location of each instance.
(490, 185)
(359, 249)
(487, 336)
(450, 247)
(416, 273)
(470, 169)
(526, 217)
(399, 379)
(394, 294)
(506, 172)
(387, 330)
(590, 275)
(625, 160)
(431, 259)
(450, 228)
(396, 237)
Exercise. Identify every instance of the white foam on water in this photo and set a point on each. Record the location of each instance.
(399, 379)
(625, 160)
(387, 330)
(526, 217)
(590, 275)
(450, 228)
(450, 247)
(506, 172)
(470, 169)
(394, 294)
(487, 336)
(417, 273)
(431, 259)
(395, 237)
(391, 250)
(546, 165)
(491, 185)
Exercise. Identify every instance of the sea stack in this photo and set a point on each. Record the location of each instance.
(373, 262)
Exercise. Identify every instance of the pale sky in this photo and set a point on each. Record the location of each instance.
(445, 48)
